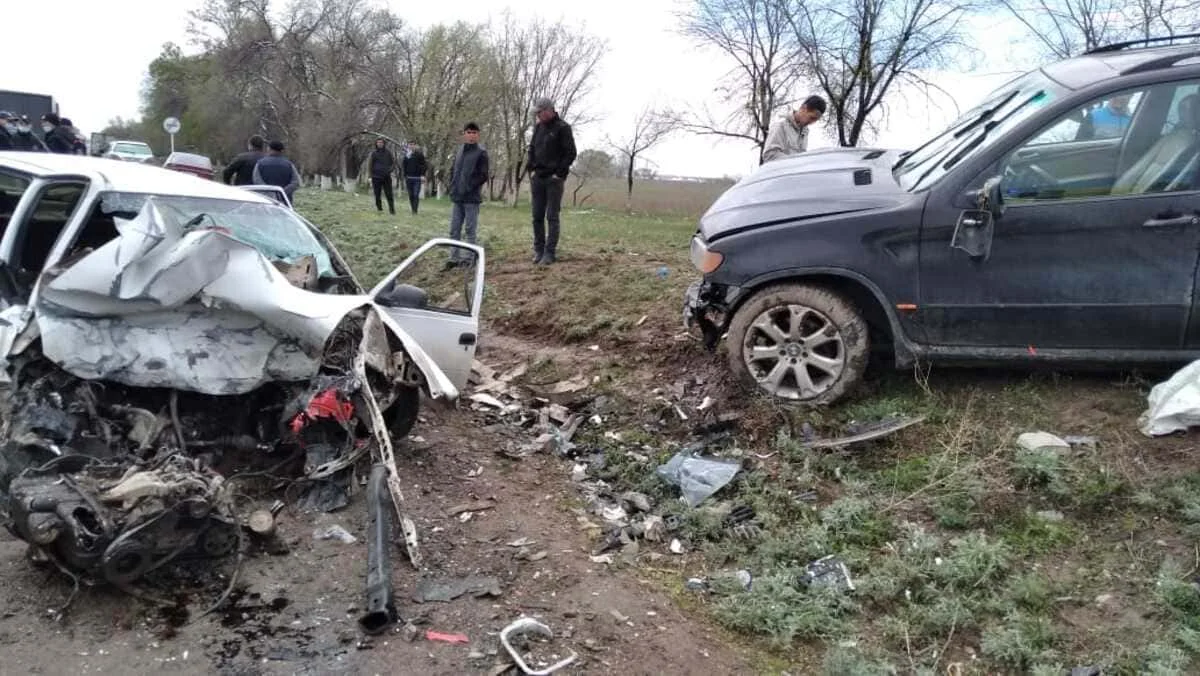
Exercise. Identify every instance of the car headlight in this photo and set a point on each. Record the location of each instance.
(704, 260)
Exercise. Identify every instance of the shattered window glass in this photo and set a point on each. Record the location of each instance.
(275, 231)
(11, 190)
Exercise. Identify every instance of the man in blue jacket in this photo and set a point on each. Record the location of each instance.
(467, 178)
(275, 169)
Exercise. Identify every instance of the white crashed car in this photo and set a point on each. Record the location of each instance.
(132, 274)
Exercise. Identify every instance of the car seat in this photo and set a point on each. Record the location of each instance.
(1164, 163)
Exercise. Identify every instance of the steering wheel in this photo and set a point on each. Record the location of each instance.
(1028, 180)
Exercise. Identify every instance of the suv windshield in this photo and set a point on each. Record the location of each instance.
(275, 231)
(977, 129)
(132, 149)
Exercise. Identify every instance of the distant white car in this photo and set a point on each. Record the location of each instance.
(129, 151)
(271, 191)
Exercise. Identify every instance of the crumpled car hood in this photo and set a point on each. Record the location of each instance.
(815, 183)
(191, 309)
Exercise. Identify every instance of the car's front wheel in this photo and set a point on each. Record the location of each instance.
(799, 342)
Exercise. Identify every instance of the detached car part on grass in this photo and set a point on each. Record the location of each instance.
(186, 346)
(1025, 232)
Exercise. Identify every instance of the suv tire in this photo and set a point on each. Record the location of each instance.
(795, 330)
(401, 416)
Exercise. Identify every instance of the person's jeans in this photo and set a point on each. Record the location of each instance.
(413, 185)
(384, 185)
(463, 214)
(546, 195)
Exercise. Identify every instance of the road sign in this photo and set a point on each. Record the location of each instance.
(171, 125)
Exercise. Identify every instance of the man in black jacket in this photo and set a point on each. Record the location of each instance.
(383, 163)
(241, 169)
(414, 174)
(551, 153)
(467, 178)
(58, 137)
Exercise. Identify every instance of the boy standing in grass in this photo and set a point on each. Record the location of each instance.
(467, 178)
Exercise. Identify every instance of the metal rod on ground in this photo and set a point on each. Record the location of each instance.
(381, 605)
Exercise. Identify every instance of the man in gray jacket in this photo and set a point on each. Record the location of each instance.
(789, 134)
(467, 178)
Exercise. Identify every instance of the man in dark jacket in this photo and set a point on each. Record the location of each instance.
(383, 163)
(241, 169)
(275, 169)
(414, 168)
(78, 147)
(8, 130)
(467, 178)
(58, 136)
(551, 153)
(24, 139)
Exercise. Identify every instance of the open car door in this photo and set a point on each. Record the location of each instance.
(435, 295)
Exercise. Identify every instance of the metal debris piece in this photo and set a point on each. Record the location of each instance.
(828, 571)
(528, 625)
(476, 506)
(381, 603)
(444, 591)
(867, 433)
(334, 532)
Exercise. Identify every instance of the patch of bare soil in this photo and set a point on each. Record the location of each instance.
(296, 613)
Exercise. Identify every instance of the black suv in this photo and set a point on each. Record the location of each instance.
(1059, 220)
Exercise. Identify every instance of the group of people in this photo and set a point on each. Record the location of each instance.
(548, 162)
(412, 169)
(263, 164)
(59, 135)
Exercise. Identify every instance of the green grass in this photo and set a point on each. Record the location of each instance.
(619, 256)
(964, 548)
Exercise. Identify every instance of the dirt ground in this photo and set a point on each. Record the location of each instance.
(296, 613)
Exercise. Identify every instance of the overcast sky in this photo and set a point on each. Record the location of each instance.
(95, 64)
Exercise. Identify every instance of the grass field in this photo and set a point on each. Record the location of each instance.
(969, 554)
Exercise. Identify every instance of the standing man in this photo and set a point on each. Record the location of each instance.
(788, 136)
(58, 138)
(551, 153)
(276, 169)
(25, 139)
(467, 176)
(241, 169)
(383, 163)
(8, 130)
(414, 168)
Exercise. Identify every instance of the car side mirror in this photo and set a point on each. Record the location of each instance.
(973, 233)
(990, 198)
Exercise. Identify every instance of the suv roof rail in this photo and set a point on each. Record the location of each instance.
(1141, 42)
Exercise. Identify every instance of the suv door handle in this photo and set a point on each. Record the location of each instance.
(466, 339)
(1171, 220)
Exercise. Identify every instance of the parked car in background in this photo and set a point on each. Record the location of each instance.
(190, 163)
(101, 145)
(270, 191)
(1057, 221)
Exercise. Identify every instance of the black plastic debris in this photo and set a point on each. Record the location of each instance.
(829, 572)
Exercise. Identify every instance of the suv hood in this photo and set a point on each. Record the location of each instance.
(816, 183)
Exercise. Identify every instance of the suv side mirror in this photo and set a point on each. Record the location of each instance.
(973, 233)
(990, 198)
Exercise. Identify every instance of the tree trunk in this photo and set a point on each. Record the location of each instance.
(629, 184)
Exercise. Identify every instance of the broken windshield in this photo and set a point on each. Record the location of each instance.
(1001, 111)
(275, 231)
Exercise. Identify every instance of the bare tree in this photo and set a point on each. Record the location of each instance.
(650, 128)
(858, 51)
(756, 36)
(531, 61)
(1064, 28)
(590, 164)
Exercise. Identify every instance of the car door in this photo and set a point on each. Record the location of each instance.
(1071, 266)
(435, 295)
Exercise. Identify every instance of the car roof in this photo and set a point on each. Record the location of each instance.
(1088, 69)
(125, 176)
